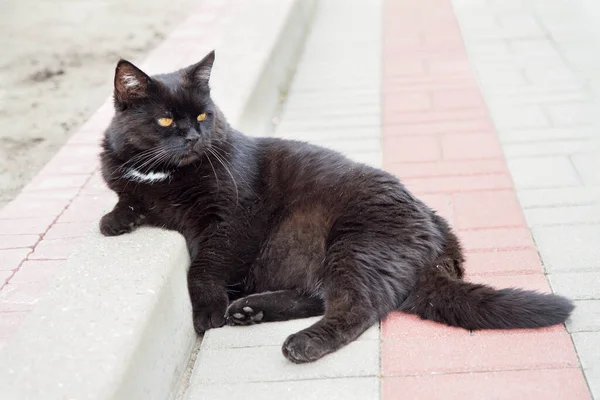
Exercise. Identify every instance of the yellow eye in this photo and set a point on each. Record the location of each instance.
(201, 117)
(165, 121)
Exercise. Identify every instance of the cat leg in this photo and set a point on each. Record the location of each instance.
(124, 217)
(281, 305)
(351, 307)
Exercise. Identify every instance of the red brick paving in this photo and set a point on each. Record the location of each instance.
(546, 384)
(439, 139)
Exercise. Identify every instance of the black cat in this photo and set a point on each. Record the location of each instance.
(279, 229)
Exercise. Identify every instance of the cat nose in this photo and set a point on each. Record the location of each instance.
(192, 136)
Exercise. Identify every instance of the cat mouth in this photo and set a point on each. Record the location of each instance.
(188, 157)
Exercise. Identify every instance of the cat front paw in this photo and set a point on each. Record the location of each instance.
(113, 225)
(209, 317)
(239, 313)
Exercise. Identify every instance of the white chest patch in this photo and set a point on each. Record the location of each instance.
(150, 177)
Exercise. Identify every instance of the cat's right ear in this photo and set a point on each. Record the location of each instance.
(131, 84)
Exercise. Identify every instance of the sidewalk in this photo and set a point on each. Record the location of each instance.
(482, 108)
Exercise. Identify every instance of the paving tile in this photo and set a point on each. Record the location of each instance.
(4, 276)
(545, 148)
(74, 159)
(433, 128)
(268, 334)
(399, 325)
(416, 355)
(543, 172)
(470, 146)
(568, 196)
(576, 285)
(570, 113)
(331, 389)
(21, 296)
(18, 241)
(266, 363)
(496, 239)
(37, 271)
(434, 116)
(519, 117)
(393, 104)
(585, 317)
(457, 98)
(25, 226)
(588, 347)
(54, 182)
(547, 384)
(411, 149)
(569, 247)
(588, 167)
(525, 261)
(491, 209)
(542, 216)
(455, 184)
(544, 134)
(85, 209)
(54, 249)
(447, 168)
(24, 206)
(12, 258)
(70, 229)
(537, 282)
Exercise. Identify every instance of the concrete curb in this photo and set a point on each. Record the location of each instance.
(116, 323)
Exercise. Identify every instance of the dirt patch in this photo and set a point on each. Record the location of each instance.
(56, 69)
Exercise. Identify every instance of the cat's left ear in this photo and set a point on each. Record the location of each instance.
(131, 83)
(199, 74)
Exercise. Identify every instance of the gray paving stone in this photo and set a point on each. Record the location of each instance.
(330, 389)
(577, 285)
(535, 48)
(545, 148)
(372, 120)
(542, 172)
(266, 363)
(585, 317)
(574, 93)
(545, 134)
(563, 215)
(354, 133)
(588, 348)
(567, 196)
(551, 75)
(569, 247)
(268, 334)
(570, 114)
(525, 116)
(588, 167)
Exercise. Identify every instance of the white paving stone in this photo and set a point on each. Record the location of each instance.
(330, 389)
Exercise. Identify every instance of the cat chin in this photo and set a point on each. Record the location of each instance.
(188, 159)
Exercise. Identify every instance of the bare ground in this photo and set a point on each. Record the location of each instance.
(56, 69)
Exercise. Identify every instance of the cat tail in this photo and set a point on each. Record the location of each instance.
(441, 297)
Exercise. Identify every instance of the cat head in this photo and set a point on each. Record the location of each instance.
(163, 121)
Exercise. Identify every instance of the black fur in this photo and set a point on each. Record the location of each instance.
(281, 229)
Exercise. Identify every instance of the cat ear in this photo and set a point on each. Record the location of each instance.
(131, 83)
(199, 73)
